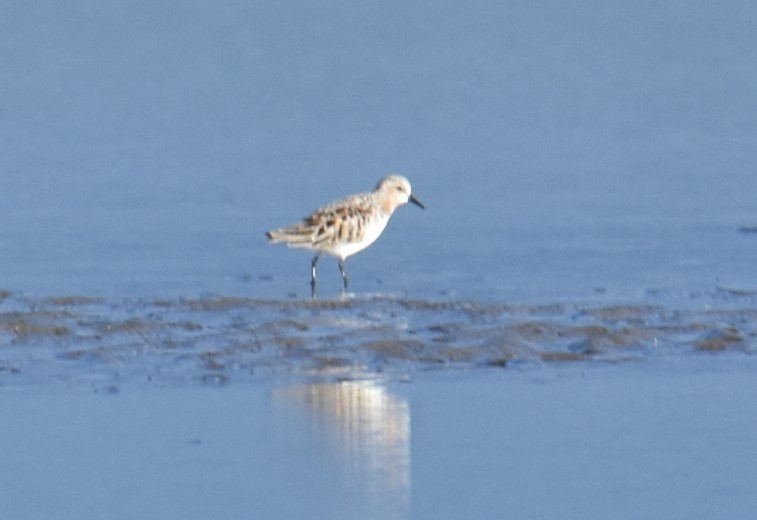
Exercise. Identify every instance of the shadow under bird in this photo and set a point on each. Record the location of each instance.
(347, 226)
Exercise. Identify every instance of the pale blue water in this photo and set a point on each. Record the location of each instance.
(559, 148)
(573, 157)
(624, 442)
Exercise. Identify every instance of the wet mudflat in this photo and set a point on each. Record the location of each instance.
(222, 339)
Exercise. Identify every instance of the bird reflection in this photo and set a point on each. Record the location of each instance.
(368, 429)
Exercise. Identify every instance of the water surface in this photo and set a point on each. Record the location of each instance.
(567, 330)
(561, 150)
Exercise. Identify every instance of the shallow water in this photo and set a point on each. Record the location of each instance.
(561, 151)
(567, 330)
(675, 439)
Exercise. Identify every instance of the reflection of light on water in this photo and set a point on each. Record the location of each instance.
(368, 429)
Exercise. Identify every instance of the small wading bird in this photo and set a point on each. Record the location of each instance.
(347, 226)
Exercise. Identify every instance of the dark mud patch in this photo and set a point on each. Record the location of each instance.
(72, 301)
(22, 325)
(720, 339)
(748, 230)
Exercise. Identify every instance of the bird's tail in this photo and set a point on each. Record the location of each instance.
(293, 236)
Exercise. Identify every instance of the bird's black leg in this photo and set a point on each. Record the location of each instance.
(344, 275)
(312, 275)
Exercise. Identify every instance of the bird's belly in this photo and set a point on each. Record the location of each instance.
(372, 232)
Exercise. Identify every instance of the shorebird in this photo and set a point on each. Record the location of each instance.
(347, 226)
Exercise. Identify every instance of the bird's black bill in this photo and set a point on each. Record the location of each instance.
(416, 201)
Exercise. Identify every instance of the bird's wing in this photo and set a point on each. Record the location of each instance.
(341, 221)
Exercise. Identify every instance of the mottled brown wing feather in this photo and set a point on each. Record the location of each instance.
(343, 221)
